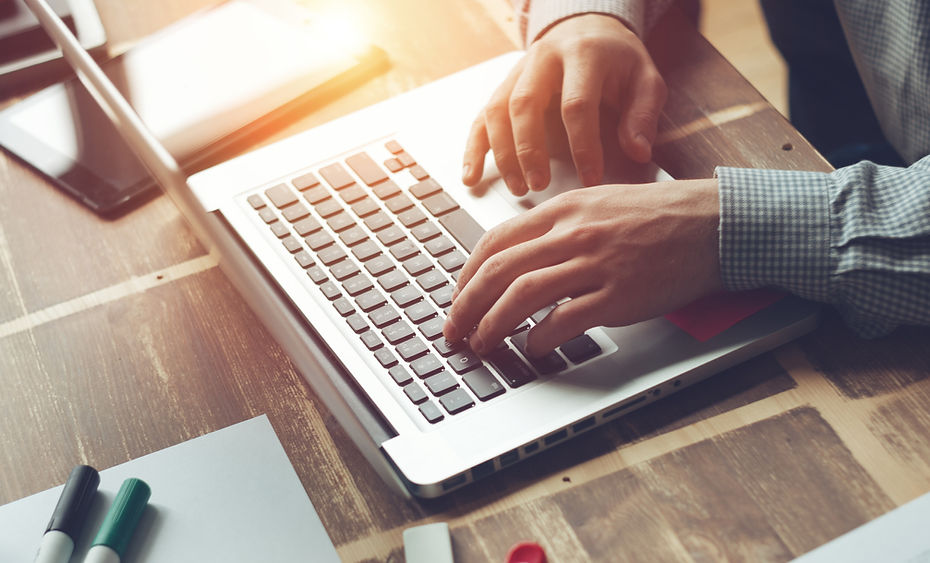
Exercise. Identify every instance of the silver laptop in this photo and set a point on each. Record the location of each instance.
(346, 240)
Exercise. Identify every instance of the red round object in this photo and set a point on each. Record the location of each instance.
(526, 552)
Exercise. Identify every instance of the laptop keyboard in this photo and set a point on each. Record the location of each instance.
(387, 257)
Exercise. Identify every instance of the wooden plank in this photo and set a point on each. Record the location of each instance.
(861, 368)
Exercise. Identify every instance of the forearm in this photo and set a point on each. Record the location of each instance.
(537, 16)
(858, 238)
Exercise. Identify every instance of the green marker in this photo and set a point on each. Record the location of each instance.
(120, 522)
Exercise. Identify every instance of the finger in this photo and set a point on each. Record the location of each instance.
(565, 322)
(528, 102)
(531, 224)
(639, 121)
(475, 148)
(493, 279)
(580, 105)
(500, 134)
(527, 294)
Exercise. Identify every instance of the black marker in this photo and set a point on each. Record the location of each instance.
(70, 513)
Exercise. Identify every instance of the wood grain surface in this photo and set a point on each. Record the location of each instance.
(122, 337)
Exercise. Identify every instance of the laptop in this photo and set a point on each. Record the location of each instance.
(346, 240)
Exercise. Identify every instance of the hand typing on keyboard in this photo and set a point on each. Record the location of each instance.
(623, 254)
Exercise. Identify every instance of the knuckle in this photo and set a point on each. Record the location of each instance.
(576, 107)
(521, 103)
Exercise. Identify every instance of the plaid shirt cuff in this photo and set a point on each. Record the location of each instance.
(775, 230)
(546, 13)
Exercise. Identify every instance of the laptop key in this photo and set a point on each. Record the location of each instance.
(371, 340)
(412, 349)
(356, 285)
(425, 232)
(385, 357)
(464, 361)
(336, 176)
(328, 208)
(316, 195)
(419, 312)
(378, 221)
(386, 190)
(344, 306)
(392, 280)
(406, 296)
(580, 349)
(383, 316)
(411, 217)
(483, 383)
(418, 172)
(456, 401)
(317, 274)
(431, 280)
(550, 363)
(439, 246)
(295, 212)
(440, 204)
(370, 300)
(432, 328)
(352, 194)
(397, 332)
(340, 221)
(379, 265)
(307, 226)
(426, 188)
(279, 229)
(366, 250)
(463, 228)
(426, 366)
(318, 240)
(393, 165)
(400, 375)
(330, 290)
(267, 215)
(304, 259)
(357, 323)
(442, 297)
(404, 250)
(446, 348)
(291, 244)
(398, 203)
(365, 207)
(344, 270)
(417, 265)
(306, 181)
(511, 367)
(440, 383)
(353, 235)
(366, 168)
(415, 393)
(330, 255)
(281, 196)
(256, 201)
(394, 147)
(431, 412)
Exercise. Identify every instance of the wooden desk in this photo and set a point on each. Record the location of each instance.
(119, 338)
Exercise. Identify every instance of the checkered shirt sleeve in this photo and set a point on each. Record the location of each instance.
(535, 17)
(858, 238)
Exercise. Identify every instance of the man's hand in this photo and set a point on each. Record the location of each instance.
(585, 62)
(622, 253)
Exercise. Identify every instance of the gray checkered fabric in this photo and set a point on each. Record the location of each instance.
(858, 238)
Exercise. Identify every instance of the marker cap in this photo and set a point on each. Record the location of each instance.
(75, 501)
(123, 516)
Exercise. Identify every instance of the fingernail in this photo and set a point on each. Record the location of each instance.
(466, 171)
(448, 330)
(588, 177)
(535, 179)
(476, 344)
(514, 182)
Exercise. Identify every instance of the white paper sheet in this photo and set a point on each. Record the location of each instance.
(231, 495)
(897, 537)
